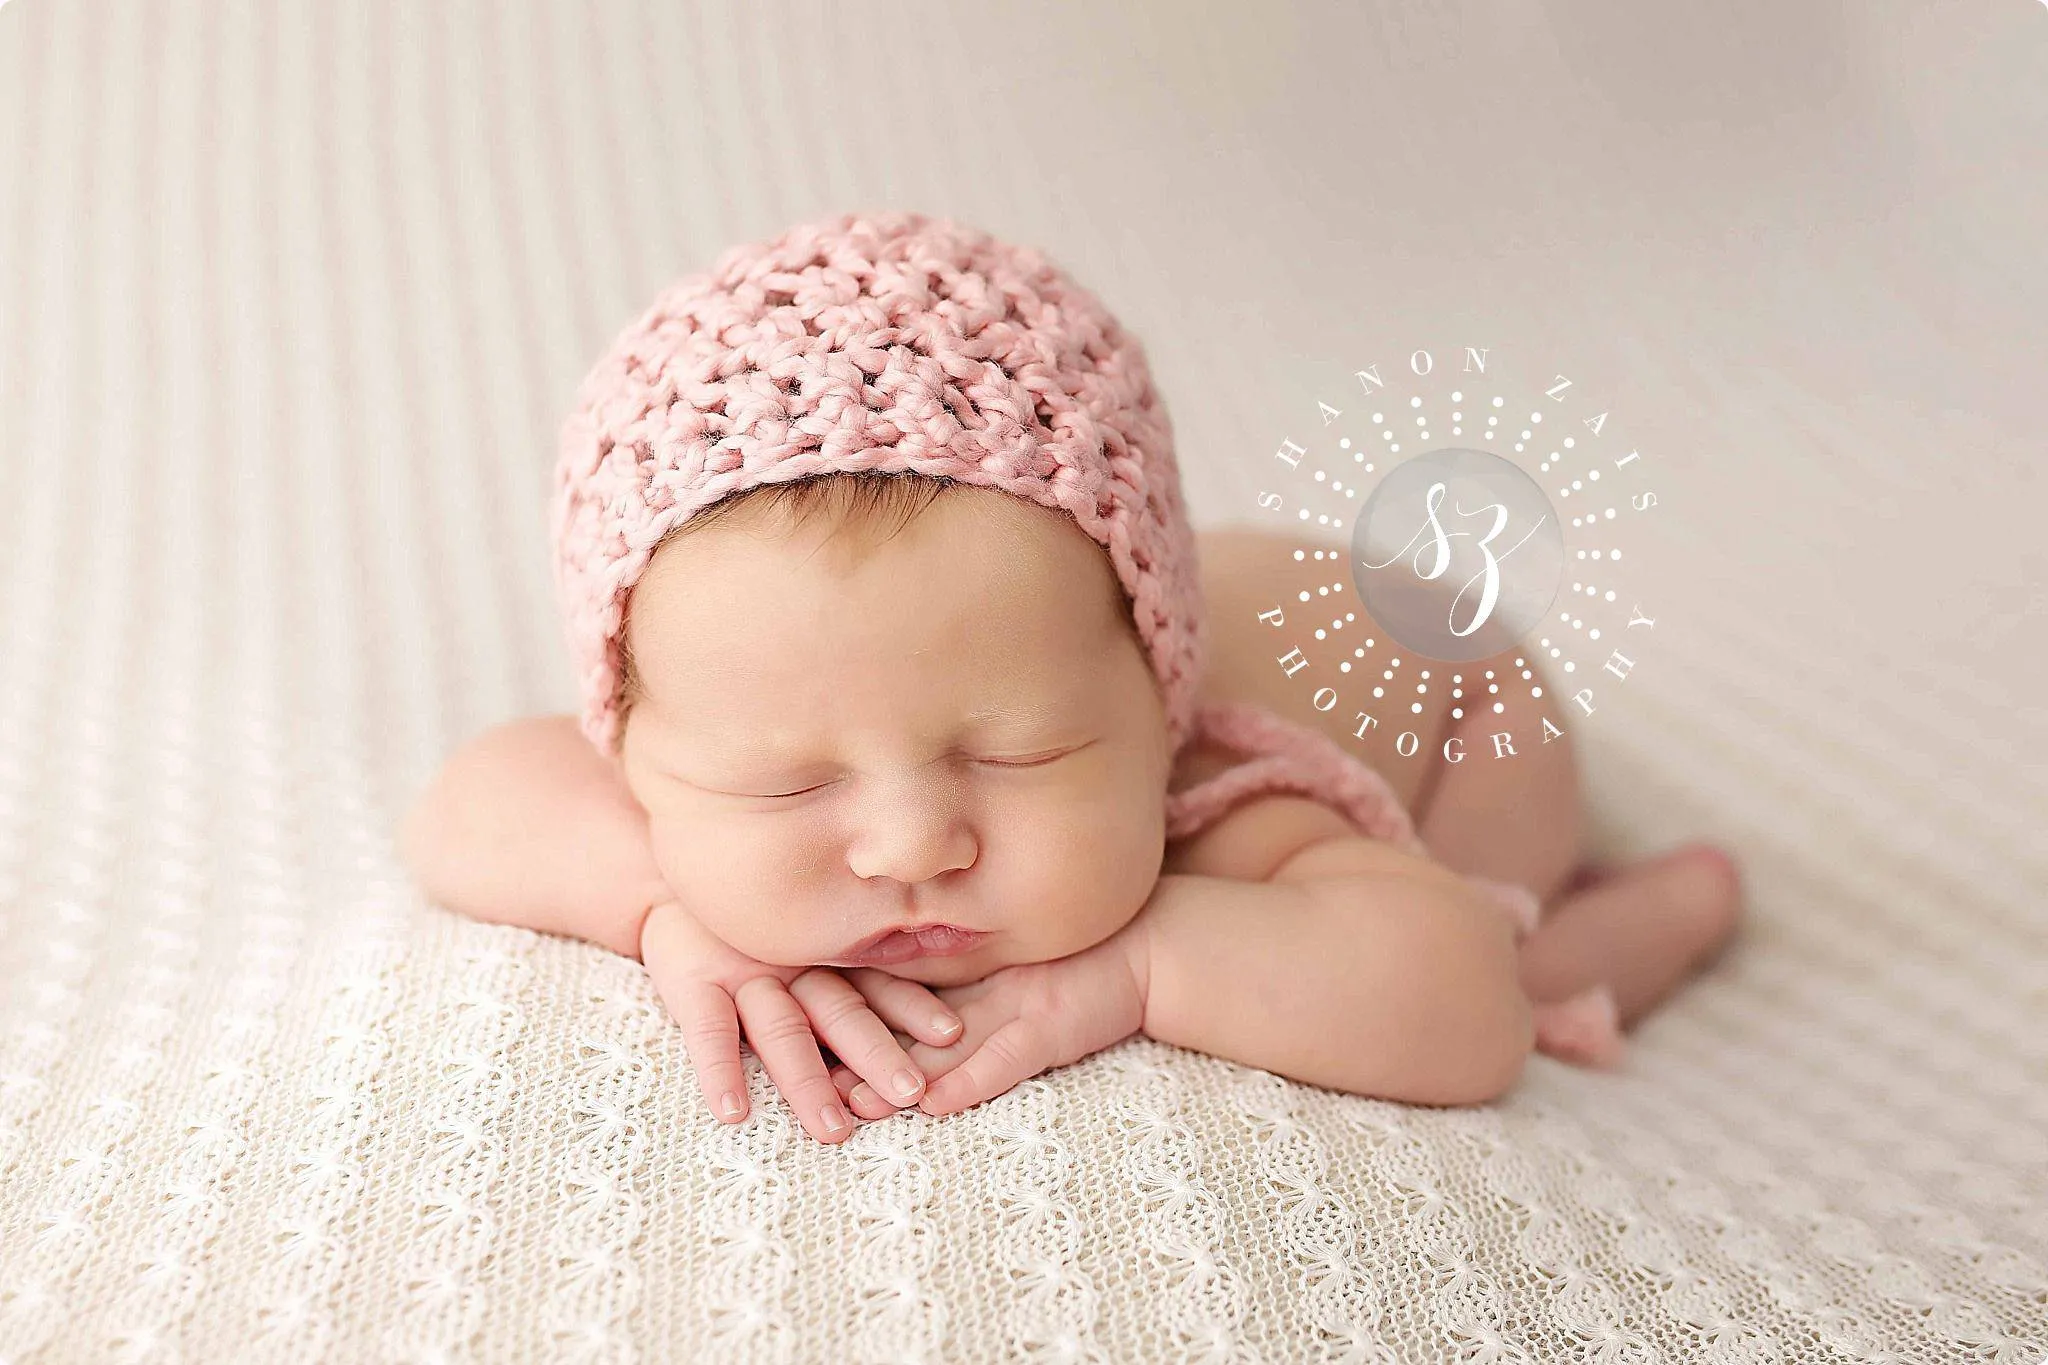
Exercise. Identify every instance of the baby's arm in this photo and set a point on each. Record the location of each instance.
(528, 825)
(1279, 939)
(1394, 977)
(1355, 967)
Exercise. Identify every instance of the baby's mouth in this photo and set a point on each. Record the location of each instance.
(901, 945)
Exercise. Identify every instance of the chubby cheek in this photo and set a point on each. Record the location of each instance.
(1089, 869)
(742, 888)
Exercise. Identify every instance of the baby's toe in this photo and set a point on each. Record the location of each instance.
(1584, 1029)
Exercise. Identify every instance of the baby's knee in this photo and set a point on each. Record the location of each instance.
(1715, 892)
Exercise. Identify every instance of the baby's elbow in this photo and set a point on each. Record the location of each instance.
(1511, 1036)
(1487, 1042)
(1480, 1071)
(1499, 1066)
(1481, 1067)
(420, 842)
(441, 841)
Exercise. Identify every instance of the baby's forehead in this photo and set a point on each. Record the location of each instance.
(987, 583)
(759, 723)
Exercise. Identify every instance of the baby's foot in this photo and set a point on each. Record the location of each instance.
(1584, 1029)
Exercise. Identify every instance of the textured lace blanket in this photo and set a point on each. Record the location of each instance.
(291, 298)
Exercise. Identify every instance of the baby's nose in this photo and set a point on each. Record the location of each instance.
(921, 830)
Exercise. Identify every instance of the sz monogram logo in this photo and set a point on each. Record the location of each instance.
(1440, 544)
(1470, 589)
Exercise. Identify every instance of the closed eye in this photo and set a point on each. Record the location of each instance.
(1025, 762)
(986, 762)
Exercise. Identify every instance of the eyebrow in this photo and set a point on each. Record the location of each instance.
(1023, 711)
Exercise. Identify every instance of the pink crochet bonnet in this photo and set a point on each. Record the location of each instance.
(897, 342)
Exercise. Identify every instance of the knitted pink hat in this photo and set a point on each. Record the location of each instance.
(901, 343)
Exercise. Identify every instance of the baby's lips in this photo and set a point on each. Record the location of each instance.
(901, 945)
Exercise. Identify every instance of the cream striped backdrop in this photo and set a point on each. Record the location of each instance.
(292, 297)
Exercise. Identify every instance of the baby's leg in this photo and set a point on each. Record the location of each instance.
(1508, 808)
(1640, 930)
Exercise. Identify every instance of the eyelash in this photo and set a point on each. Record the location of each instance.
(990, 762)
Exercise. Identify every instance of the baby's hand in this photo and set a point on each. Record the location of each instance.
(1020, 1021)
(711, 989)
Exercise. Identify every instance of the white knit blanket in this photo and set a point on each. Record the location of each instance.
(293, 297)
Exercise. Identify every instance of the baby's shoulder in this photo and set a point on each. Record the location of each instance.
(1252, 838)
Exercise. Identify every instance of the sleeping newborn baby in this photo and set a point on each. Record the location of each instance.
(900, 734)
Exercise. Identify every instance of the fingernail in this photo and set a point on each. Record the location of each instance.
(834, 1118)
(869, 1098)
(730, 1103)
(944, 1023)
(907, 1084)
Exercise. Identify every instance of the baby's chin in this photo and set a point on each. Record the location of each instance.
(985, 959)
(961, 970)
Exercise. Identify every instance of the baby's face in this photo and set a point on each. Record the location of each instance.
(959, 728)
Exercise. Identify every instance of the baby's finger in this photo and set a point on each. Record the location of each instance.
(711, 1032)
(935, 1062)
(1013, 1053)
(781, 1034)
(906, 1006)
(842, 1018)
(860, 1097)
